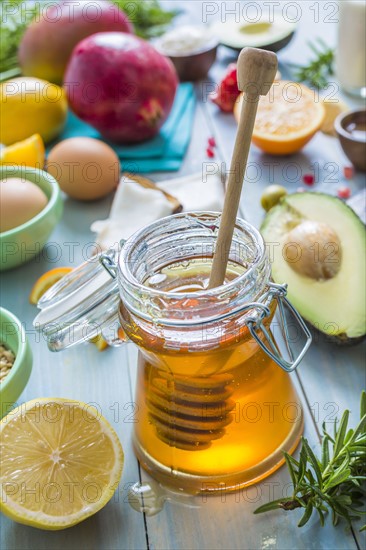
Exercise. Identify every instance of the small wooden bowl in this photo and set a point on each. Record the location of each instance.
(354, 147)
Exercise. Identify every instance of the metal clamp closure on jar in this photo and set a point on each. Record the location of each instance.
(260, 310)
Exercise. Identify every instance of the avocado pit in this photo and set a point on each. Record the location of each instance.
(313, 249)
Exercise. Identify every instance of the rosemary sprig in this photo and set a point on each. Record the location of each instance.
(318, 70)
(334, 482)
(148, 17)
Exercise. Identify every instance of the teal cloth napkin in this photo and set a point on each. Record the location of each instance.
(165, 152)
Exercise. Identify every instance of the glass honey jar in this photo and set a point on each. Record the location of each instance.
(216, 406)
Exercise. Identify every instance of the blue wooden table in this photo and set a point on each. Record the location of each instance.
(329, 379)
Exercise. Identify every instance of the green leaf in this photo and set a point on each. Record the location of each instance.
(325, 433)
(322, 43)
(341, 432)
(339, 508)
(293, 461)
(344, 500)
(321, 516)
(335, 518)
(302, 462)
(314, 49)
(310, 476)
(290, 467)
(274, 505)
(337, 479)
(314, 462)
(360, 428)
(363, 404)
(325, 451)
(349, 436)
(307, 514)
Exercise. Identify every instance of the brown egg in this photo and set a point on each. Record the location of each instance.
(20, 201)
(86, 168)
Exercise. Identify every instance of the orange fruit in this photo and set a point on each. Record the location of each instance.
(287, 118)
(45, 282)
(29, 152)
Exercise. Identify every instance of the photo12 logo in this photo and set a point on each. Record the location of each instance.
(253, 12)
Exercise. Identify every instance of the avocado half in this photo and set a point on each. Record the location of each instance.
(266, 33)
(316, 244)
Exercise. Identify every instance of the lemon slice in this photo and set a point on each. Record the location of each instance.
(333, 108)
(29, 152)
(60, 463)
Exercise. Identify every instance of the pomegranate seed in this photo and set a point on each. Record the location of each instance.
(308, 179)
(348, 172)
(210, 152)
(212, 142)
(344, 192)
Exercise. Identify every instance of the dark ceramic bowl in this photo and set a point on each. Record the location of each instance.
(195, 65)
(352, 144)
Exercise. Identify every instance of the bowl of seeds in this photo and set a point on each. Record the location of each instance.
(15, 360)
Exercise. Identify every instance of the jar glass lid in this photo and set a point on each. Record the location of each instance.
(80, 305)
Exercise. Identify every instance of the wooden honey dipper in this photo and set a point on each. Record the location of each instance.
(256, 70)
(190, 413)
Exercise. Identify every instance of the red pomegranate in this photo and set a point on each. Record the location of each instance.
(47, 44)
(121, 85)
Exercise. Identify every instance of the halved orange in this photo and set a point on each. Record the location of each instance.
(29, 152)
(45, 282)
(287, 118)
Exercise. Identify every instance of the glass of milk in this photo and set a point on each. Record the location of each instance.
(351, 51)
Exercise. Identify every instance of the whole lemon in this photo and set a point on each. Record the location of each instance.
(31, 106)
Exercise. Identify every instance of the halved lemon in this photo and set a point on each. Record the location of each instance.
(29, 152)
(287, 118)
(45, 282)
(60, 463)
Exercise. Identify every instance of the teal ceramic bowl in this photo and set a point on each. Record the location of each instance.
(23, 243)
(12, 335)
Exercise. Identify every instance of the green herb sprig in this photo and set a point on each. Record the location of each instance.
(13, 21)
(336, 481)
(147, 16)
(318, 70)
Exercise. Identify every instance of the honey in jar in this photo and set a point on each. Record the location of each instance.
(216, 406)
